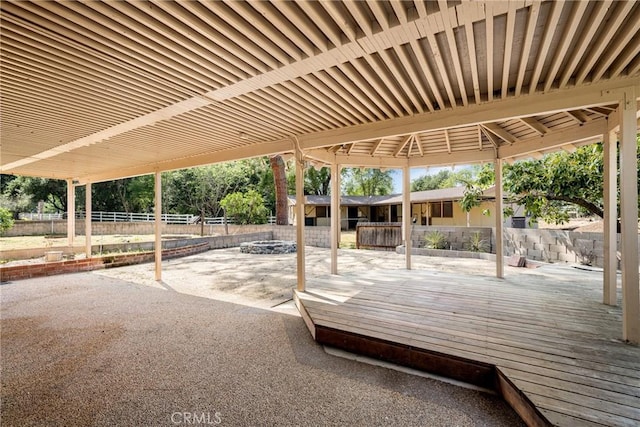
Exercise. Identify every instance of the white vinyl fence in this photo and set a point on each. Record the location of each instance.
(134, 217)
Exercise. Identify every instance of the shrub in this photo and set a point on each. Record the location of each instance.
(477, 243)
(245, 208)
(6, 220)
(435, 240)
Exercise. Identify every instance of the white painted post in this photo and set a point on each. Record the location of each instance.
(335, 216)
(300, 222)
(629, 218)
(499, 216)
(71, 212)
(87, 220)
(609, 291)
(158, 225)
(406, 214)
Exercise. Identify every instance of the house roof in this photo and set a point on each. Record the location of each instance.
(99, 90)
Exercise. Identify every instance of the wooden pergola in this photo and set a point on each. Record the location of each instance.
(103, 90)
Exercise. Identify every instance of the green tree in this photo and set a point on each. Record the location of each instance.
(430, 182)
(6, 220)
(245, 208)
(444, 179)
(545, 187)
(316, 181)
(367, 182)
(200, 190)
(52, 191)
(13, 196)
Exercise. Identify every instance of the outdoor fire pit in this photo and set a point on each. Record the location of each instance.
(268, 247)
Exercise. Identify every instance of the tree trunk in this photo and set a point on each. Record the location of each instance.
(280, 179)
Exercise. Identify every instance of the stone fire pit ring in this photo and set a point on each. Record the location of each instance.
(266, 247)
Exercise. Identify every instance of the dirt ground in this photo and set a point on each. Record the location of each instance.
(266, 281)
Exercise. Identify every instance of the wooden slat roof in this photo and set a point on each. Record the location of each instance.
(100, 90)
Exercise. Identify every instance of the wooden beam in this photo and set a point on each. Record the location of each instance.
(610, 281)
(428, 74)
(532, 19)
(447, 140)
(87, 220)
(597, 94)
(575, 16)
(416, 138)
(254, 150)
(158, 225)
(406, 214)
(508, 45)
(500, 132)
(489, 48)
(499, 220)
(453, 49)
(550, 27)
(494, 140)
(335, 216)
(403, 143)
(71, 213)
(629, 217)
(145, 120)
(535, 125)
(411, 142)
(616, 46)
(356, 160)
(351, 147)
(473, 60)
(437, 58)
(596, 48)
(578, 116)
(592, 24)
(300, 218)
(591, 130)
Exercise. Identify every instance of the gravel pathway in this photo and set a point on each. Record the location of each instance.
(89, 349)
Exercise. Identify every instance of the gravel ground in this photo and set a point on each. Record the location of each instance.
(116, 348)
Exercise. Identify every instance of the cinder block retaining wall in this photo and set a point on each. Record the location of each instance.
(535, 244)
(108, 261)
(557, 245)
(319, 236)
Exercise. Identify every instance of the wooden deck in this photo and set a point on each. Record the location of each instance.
(541, 338)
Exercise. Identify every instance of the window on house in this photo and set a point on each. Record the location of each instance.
(442, 209)
(447, 209)
(322, 212)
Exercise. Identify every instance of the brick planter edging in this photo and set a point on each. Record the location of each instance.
(27, 271)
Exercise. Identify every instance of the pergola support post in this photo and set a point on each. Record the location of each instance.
(87, 220)
(300, 222)
(629, 217)
(609, 282)
(335, 216)
(158, 225)
(499, 220)
(406, 214)
(71, 212)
